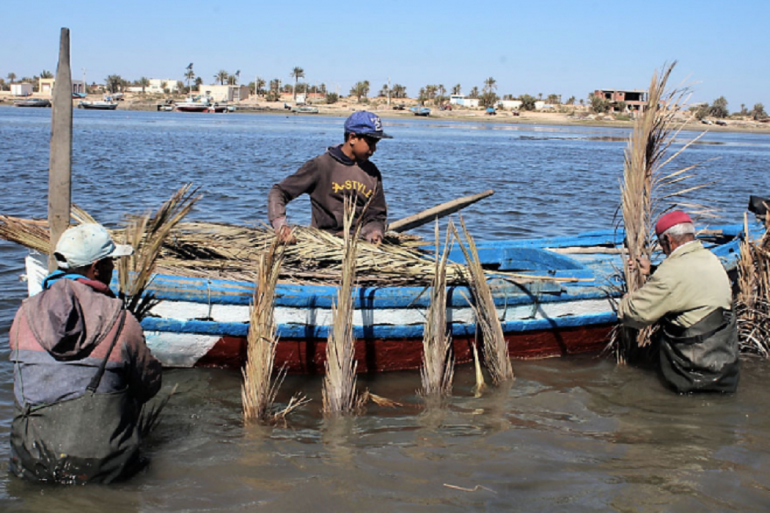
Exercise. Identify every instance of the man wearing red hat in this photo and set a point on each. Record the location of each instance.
(690, 294)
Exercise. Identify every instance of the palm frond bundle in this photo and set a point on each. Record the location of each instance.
(495, 347)
(339, 384)
(147, 235)
(753, 298)
(437, 359)
(259, 387)
(648, 190)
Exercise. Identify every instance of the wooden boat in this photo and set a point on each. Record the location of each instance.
(303, 109)
(98, 105)
(203, 322)
(420, 111)
(194, 104)
(33, 102)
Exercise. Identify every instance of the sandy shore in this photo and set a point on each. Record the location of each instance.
(568, 116)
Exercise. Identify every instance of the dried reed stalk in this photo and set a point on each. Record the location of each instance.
(495, 347)
(147, 234)
(228, 252)
(259, 388)
(648, 191)
(339, 384)
(437, 359)
(753, 298)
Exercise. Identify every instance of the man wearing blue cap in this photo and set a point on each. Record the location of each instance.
(344, 170)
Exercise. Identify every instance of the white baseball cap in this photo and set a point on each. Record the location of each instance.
(85, 244)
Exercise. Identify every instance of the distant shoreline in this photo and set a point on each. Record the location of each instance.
(342, 109)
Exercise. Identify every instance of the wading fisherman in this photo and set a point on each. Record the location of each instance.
(344, 170)
(690, 294)
(82, 370)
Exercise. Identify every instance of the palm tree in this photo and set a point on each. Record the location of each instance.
(11, 77)
(456, 89)
(360, 90)
(275, 84)
(399, 91)
(259, 85)
(189, 75)
(222, 76)
(474, 92)
(144, 82)
(490, 85)
(237, 77)
(46, 74)
(232, 80)
(297, 73)
(113, 82)
(384, 91)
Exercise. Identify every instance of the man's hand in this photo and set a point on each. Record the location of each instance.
(641, 264)
(285, 234)
(375, 237)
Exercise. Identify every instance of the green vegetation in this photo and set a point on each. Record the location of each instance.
(360, 90)
(332, 98)
(527, 102)
(599, 104)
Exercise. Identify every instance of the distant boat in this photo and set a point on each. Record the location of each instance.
(33, 102)
(76, 96)
(200, 103)
(420, 111)
(98, 105)
(305, 110)
(194, 104)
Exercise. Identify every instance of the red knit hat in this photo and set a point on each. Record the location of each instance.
(672, 218)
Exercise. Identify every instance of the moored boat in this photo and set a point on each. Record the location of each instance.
(33, 102)
(304, 109)
(204, 322)
(98, 105)
(420, 111)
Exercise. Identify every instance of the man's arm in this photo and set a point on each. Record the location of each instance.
(303, 181)
(648, 304)
(376, 216)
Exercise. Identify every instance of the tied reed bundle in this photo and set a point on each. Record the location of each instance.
(147, 234)
(753, 298)
(259, 389)
(339, 384)
(495, 348)
(437, 359)
(648, 191)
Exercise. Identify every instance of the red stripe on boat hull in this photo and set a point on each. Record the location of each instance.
(379, 355)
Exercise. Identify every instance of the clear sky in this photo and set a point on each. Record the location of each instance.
(549, 46)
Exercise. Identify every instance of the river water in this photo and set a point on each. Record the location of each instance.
(577, 434)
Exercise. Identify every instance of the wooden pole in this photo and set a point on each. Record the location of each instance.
(437, 212)
(60, 164)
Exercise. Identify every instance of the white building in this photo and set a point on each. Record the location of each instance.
(510, 104)
(45, 86)
(23, 89)
(225, 93)
(461, 99)
(157, 85)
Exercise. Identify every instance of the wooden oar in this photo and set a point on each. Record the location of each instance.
(437, 212)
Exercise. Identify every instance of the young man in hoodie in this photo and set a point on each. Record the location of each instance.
(344, 170)
(82, 370)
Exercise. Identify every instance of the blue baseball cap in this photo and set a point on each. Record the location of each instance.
(363, 122)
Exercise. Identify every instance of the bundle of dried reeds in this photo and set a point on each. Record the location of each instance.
(339, 385)
(753, 298)
(437, 359)
(495, 347)
(259, 387)
(147, 235)
(648, 191)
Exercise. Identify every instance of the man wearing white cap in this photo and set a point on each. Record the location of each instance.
(82, 370)
(690, 294)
